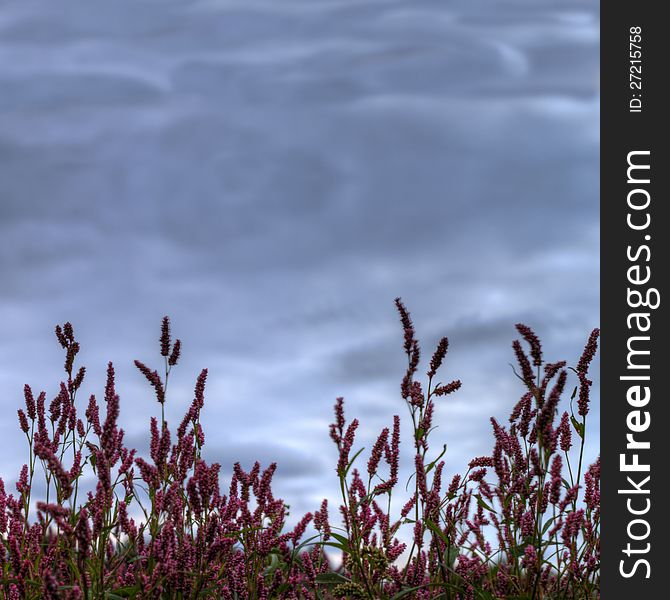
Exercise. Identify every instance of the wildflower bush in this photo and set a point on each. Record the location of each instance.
(521, 522)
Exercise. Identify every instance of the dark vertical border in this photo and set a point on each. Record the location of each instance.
(634, 118)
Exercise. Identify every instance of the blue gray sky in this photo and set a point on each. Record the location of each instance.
(272, 174)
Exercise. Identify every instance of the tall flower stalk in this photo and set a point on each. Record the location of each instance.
(520, 522)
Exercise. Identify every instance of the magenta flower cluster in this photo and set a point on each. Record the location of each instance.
(522, 522)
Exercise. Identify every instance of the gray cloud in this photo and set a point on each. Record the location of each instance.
(272, 175)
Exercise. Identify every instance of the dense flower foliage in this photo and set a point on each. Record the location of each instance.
(522, 522)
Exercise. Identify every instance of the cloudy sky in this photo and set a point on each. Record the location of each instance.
(272, 174)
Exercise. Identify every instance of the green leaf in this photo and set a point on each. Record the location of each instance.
(343, 545)
(127, 591)
(437, 531)
(405, 592)
(351, 462)
(547, 525)
(308, 541)
(331, 578)
(520, 549)
(452, 555)
(340, 538)
(274, 564)
(411, 590)
(579, 427)
(408, 481)
(431, 466)
(333, 545)
(483, 504)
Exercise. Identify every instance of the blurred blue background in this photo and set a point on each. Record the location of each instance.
(272, 174)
